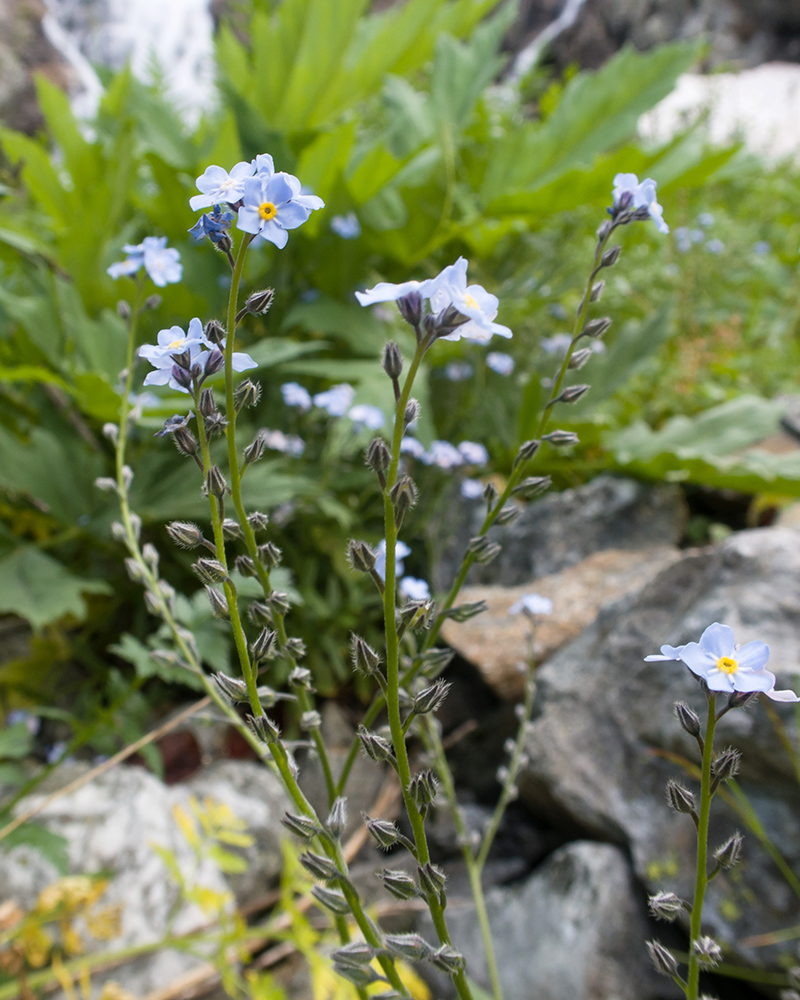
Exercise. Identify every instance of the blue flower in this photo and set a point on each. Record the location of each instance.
(643, 197)
(473, 301)
(162, 263)
(273, 203)
(178, 422)
(457, 371)
(443, 454)
(557, 344)
(705, 219)
(364, 415)
(532, 604)
(214, 225)
(473, 453)
(501, 364)
(401, 550)
(715, 246)
(414, 589)
(346, 226)
(385, 291)
(726, 667)
(289, 444)
(761, 247)
(240, 362)
(296, 395)
(219, 186)
(410, 446)
(173, 343)
(471, 489)
(336, 400)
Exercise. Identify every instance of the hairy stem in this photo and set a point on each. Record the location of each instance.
(701, 882)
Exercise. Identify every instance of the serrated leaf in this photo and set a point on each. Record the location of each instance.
(40, 590)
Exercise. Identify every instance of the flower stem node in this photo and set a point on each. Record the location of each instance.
(210, 571)
(319, 867)
(216, 485)
(729, 854)
(337, 818)
(392, 361)
(383, 832)
(688, 718)
(666, 906)
(399, 883)
(365, 659)
(331, 899)
(247, 393)
(375, 747)
(263, 728)
(663, 960)
(708, 952)
(361, 556)
(301, 826)
(532, 487)
(679, 798)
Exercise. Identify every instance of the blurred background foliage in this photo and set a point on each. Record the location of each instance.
(402, 121)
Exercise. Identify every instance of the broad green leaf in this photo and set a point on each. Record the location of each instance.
(140, 656)
(40, 175)
(52, 846)
(327, 317)
(274, 351)
(80, 159)
(15, 741)
(25, 242)
(31, 373)
(40, 590)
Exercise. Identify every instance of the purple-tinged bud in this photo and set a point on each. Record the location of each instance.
(263, 728)
(300, 826)
(215, 482)
(604, 229)
(337, 818)
(215, 332)
(219, 606)
(624, 202)
(392, 361)
(246, 393)
(663, 960)
(182, 377)
(666, 906)
(410, 307)
(411, 412)
(207, 404)
(214, 361)
(532, 487)
(331, 899)
(365, 659)
(596, 327)
(399, 883)
(319, 867)
(361, 556)
(729, 854)
(611, 256)
(572, 394)
(741, 699)
(579, 358)
(688, 718)
(708, 952)
(210, 570)
(679, 798)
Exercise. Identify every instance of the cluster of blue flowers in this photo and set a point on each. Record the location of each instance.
(162, 263)
(179, 356)
(630, 193)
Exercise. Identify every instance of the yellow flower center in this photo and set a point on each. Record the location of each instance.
(177, 345)
(471, 302)
(727, 665)
(267, 210)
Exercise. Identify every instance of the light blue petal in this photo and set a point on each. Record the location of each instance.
(277, 189)
(275, 234)
(718, 640)
(198, 201)
(719, 681)
(291, 215)
(241, 362)
(249, 221)
(782, 695)
(756, 680)
(753, 655)
(159, 377)
(697, 659)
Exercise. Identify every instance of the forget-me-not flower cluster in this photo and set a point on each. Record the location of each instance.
(175, 348)
(642, 196)
(162, 263)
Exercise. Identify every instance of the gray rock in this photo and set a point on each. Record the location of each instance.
(574, 930)
(604, 728)
(560, 530)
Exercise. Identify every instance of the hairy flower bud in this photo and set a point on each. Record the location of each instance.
(403, 496)
(679, 798)
(434, 661)
(210, 570)
(257, 520)
(392, 361)
(411, 412)
(448, 960)
(246, 393)
(508, 514)
(688, 718)
(259, 302)
(185, 534)
(215, 332)
(263, 728)
(410, 307)
(219, 606)
(663, 960)
(182, 376)
(483, 549)
(244, 565)
(431, 879)
(269, 555)
(263, 648)
(399, 883)
(383, 832)
(708, 952)
(231, 530)
(331, 899)
(423, 788)
(233, 689)
(526, 451)
(319, 867)
(729, 854)
(361, 556)
(365, 659)
(295, 648)
(725, 766)
(300, 826)
(301, 677)
(375, 747)
(562, 439)
(596, 327)
(106, 484)
(666, 906)
(207, 404)
(310, 720)
(463, 612)
(111, 431)
(597, 290)
(355, 954)
(532, 486)
(430, 699)
(611, 256)
(410, 947)
(279, 602)
(572, 394)
(337, 818)
(579, 358)
(215, 482)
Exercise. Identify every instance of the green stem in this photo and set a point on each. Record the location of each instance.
(693, 977)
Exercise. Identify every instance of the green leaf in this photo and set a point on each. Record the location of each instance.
(15, 741)
(52, 846)
(227, 861)
(40, 590)
(274, 351)
(327, 316)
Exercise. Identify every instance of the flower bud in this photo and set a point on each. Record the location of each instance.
(106, 484)
(610, 257)
(379, 457)
(508, 514)
(729, 854)
(123, 309)
(411, 947)
(257, 520)
(562, 439)
(185, 441)
(708, 952)
(532, 487)
(219, 606)
(269, 555)
(596, 327)
(434, 661)
(383, 832)
(679, 798)
(300, 826)
(263, 728)
(399, 883)
(337, 818)
(392, 361)
(111, 431)
(310, 720)
(662, 960)
(365, 659)
(185, 534)
(360, 976)
(207, 404)
(597, 290)
(255, 450)
(231, 530)
(279, 602)
(182, 376)
(295, 648)
(526, 451)
(354, 954)
(411, 412)
(448, 960)
(375, 747)
(264, 646)
(423, 788)
(331, 899)
(319, 867)
(725, 766)
(579, 358)
(260, 613)
(301, 677)
(688, 718)
(233, 689)
(463, 612)
(361, 556)
(410, 307)
(215, 482)
(259, 303)
(483, 549)
(741, 699)
(210, 570)
(572, 394)
(430, 699)
(403, 496)
(246, 393)
(490, 494)
(215, 332)
(152, 301)
(666, 906)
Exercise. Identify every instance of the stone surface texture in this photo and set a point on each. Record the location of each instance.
(499, 643)
(604, 740)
